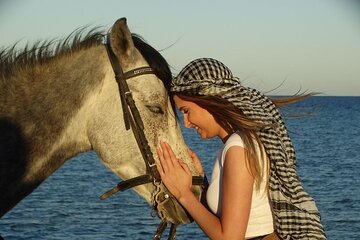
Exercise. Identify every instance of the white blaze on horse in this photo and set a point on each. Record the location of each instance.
(58, 101)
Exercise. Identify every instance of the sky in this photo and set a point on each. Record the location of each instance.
(281, 46)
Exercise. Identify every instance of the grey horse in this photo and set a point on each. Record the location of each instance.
(58, 100)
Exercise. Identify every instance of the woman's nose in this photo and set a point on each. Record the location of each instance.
(186, 121)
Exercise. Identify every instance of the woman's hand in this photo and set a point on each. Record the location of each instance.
(174, 173)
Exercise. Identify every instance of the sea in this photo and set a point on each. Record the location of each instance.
(326, 135)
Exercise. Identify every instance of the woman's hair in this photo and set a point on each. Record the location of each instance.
(232, 119)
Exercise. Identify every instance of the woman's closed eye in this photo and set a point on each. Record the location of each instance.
(184, 110)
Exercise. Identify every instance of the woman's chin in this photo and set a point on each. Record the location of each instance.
(199, 133)
(203, 136)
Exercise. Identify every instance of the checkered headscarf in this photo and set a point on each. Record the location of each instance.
(295, 212)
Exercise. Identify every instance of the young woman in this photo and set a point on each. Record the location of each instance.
(254, 192)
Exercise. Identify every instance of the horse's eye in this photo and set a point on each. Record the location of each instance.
(155, 109)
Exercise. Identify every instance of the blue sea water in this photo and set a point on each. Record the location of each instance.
(327, 143)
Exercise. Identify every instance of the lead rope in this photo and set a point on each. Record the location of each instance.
(161, 228)
(172, 234)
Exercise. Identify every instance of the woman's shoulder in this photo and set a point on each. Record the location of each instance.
(235, 139)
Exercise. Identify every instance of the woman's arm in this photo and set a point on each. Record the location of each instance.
(236, 193)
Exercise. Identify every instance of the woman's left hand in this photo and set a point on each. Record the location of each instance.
(174, 173)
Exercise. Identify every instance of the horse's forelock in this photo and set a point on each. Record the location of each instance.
(156, 61)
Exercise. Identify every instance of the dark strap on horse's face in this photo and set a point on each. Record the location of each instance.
(138, 71)
(127, 184)
(144, 179)
(121, 78)
(131, 113)
(117, 68)
(132, 118)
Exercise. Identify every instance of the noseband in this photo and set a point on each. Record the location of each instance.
(133, 119)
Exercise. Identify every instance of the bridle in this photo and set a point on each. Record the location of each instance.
(132, 119)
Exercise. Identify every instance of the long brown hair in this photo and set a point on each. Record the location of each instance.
(232, 119)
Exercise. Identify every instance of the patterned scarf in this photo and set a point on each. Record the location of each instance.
(295, 212)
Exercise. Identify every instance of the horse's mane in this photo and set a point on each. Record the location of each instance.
(44, 51)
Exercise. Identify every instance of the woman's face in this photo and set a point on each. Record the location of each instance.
(200, 119)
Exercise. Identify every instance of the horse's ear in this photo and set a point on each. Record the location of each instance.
(121, 39)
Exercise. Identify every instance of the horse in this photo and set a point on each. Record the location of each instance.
(59, 99)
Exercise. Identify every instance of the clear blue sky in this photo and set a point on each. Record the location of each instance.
(310, 44)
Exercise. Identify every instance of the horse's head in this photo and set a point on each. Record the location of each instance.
(116, 146)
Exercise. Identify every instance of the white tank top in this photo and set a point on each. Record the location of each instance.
(260, 220)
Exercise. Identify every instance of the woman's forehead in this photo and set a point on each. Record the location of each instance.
(180, 102)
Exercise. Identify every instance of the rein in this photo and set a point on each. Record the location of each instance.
(133, 119)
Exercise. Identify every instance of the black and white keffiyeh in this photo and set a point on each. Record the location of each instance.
(295, 212)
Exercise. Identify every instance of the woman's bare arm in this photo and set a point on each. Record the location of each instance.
(236, 193)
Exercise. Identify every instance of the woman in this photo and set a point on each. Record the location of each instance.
(254, 192)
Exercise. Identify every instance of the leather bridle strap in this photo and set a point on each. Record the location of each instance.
(133, 119)
(143, 179)
(127, 184)
(131, 113)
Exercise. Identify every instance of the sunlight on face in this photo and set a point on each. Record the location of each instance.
(199, 118)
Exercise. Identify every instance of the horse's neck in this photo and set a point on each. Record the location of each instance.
(46, 121)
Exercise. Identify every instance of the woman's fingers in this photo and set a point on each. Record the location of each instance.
(185, 167)
(162, 167)
(170, 163)
(196, 161)
(166, 156)
(174, 173)
(173, 159)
